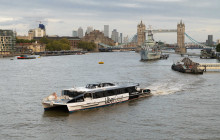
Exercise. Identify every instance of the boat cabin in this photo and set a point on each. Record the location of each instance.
(99, 92)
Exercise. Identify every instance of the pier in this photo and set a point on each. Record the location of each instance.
(209, 66)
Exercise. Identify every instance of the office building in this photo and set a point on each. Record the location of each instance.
(120, 38)
(89, 29)
(209, 42)
(114, 35)
(75, 33)
(38, 32)
(106, 30)
(7, 41)
(80, 32)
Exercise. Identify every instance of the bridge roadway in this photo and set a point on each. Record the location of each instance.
(116, 48)
(209, 66)
(189, 54)
(107, 48)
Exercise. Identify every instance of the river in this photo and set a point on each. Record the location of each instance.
(183, 106)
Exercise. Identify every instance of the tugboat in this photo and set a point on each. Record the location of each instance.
(26, 57)
(94, 95)
(187, 66)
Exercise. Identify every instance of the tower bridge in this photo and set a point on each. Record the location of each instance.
(141, 38)
(141, 32)
(181, 34)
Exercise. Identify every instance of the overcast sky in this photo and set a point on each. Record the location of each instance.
(201, 17)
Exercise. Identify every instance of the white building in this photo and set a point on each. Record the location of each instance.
(80, 32)
(106, 30)
(38, 32)
(89, 29)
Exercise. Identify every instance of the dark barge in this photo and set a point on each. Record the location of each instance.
(188, 66)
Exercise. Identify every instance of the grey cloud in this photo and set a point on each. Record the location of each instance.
(161, 12)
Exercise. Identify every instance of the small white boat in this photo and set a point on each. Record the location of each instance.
(93, 96)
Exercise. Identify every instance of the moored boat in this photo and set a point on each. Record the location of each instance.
(26, 57)
(94, 95)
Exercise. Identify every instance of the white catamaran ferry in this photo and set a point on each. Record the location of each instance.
(94, 95)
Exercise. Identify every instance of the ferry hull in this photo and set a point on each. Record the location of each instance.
(95, 103)
(48, 106)
(87, 104)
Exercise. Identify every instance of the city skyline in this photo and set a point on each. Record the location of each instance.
(60, 18)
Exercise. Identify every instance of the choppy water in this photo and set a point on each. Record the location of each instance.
(184, 106)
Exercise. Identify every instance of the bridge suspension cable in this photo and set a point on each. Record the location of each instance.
(196, 42)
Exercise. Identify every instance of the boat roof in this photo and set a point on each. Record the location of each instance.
(101, 86)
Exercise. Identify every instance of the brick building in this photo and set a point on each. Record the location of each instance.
(98, 37)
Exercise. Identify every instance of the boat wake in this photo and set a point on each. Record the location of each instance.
(167, 87)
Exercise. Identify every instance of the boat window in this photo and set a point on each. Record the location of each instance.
(99, 94)
(111, 92)
(122, 90)
(95, 95)
(106, 84)
(80, 99)
(130, 90)
(127, 90)
(77, 99)
(87, 95)
(107, 93)
(117, 91)
(71, 93)
(91, 86)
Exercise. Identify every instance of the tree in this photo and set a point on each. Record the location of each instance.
(44, 40)
(24, 40)
(65, 41)
(89, 46)
(218, 48)
(58, 45)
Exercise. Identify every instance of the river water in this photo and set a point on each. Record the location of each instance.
(183, 106)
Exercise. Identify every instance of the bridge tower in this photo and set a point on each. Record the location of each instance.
(181, 38)
(141, 37)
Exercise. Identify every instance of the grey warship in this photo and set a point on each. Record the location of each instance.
(150, 50)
